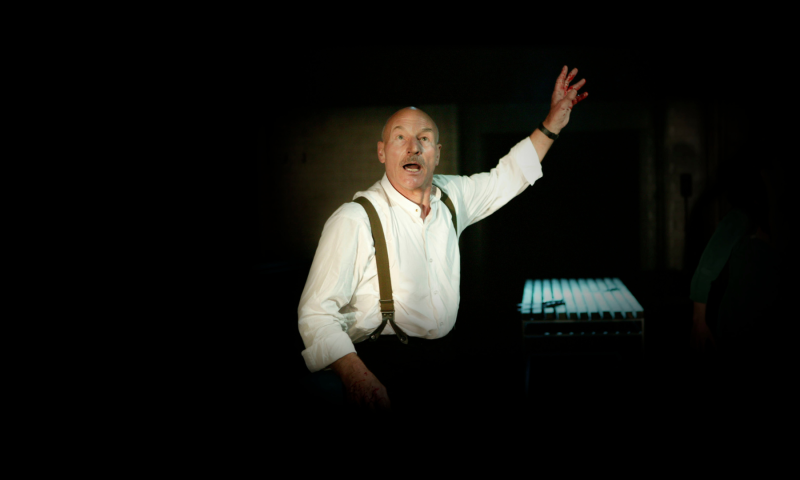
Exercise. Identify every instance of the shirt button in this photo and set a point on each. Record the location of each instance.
(436, 292)
(430, 260)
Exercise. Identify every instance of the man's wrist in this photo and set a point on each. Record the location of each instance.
(550, 127)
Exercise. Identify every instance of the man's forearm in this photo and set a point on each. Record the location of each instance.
(541, 143)
(699, 312)
(361, 386)
(349, 365)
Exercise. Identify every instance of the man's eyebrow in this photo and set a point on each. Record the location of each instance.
(426, 129)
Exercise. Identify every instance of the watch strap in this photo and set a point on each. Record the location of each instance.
(547, 132)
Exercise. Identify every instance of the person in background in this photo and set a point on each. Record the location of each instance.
(747, 243)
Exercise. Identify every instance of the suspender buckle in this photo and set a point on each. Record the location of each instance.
(389, 316)
(400, 334)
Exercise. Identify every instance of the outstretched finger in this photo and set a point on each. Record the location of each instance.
(578, 85)
(570, 76)
(578, 98)
(561, 78)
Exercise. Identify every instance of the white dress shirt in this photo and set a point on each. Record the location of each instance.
(339, 305)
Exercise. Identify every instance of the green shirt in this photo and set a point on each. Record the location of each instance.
(731, 231)
(750, 294)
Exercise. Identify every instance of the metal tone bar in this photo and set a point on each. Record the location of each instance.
(547, 295)
(577, 295)
(537, 299)
(591, 306)
(566, 291)
(561, 310)
(637, 309)
(605, 311)
(527, 297)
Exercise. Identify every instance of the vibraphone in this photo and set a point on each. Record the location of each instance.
(588, 308)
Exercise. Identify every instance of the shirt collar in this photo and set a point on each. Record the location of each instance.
(398, 198)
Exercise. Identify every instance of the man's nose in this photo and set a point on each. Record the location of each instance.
(414, 147)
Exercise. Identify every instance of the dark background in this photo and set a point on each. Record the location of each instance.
(267, 284)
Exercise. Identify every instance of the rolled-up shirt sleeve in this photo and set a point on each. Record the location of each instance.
(344, 250)
(528, 160)
(729, 231)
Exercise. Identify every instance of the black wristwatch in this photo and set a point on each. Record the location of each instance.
(547, 132)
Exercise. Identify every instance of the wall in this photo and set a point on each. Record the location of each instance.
(685, 150)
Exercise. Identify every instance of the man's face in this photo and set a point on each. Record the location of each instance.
(410, 152)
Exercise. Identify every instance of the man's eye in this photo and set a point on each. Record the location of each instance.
(399, 137)
(424, 138)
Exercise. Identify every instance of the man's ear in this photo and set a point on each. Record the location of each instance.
(381, 154)
(438, 153)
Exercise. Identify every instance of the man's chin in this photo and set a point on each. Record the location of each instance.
(411, 182)
(414, 183)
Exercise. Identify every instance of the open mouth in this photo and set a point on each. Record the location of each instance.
(412, 167)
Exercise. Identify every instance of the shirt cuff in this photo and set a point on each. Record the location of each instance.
(327, 350)
(528, 160)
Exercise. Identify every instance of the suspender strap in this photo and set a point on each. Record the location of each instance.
(382, 261)
(450, 206)
(384, 278)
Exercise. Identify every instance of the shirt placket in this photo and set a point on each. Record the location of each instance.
(435, 289)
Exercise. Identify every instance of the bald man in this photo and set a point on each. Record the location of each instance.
(339, 308)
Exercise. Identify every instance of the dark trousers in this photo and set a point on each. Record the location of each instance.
(422, 378)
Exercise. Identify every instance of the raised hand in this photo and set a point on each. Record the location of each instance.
(565, 96)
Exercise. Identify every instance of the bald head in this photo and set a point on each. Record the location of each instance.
(409, 112)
